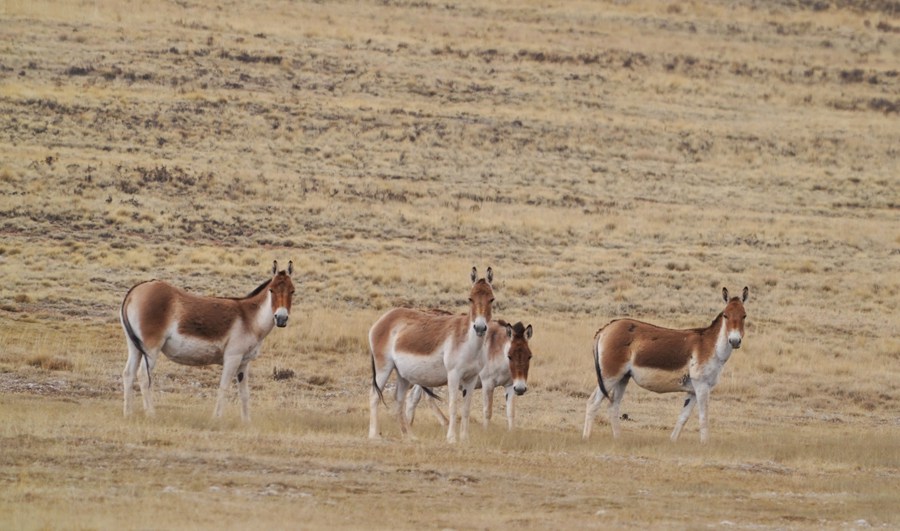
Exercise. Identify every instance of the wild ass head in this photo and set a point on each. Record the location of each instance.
(519, 355)
(281, 291)
(734, 316)
(480, 299)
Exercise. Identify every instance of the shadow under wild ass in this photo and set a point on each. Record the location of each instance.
(196, 330)
(508, 361)
(664, 361)
(431, 349)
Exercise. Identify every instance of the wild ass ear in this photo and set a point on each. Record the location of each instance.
(725, 294)
(474, 275)
(528, 332)
(274, 267)
(490, 275)
(290, 267)
(745, 294)
(509, 330)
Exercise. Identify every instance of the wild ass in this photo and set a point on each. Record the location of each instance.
(197, 330)
(664, 361)
(431, 349)
(508, 360)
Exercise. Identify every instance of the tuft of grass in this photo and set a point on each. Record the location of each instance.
(50, 362)
(8, 176)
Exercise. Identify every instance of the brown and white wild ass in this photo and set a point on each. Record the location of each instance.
(196, 330)
(508, 361)
(664, 361)
(432, 349)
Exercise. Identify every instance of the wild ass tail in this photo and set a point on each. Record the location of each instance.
(597, 368)
(375, 382)
(135, 340)
(431, 393)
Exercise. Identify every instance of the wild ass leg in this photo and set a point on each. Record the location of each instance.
(510, 407)
(379, 379)
(131, 369)
(146, 369)
(593, 407)
(616, 393)
(468, 391)
(243, 378)
(412, 401)
(487, 389)
(229, 370)
(703, 402)
(453, 396)
(373, 413)
(402, 388)
(436, 409)
(685, 414)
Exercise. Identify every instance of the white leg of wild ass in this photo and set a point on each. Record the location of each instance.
(453, 397)
(229, 371)
(144, 377)
(373, 413)
(379, 380)
(510, 407)
(593, 407)
(402, 389)
(243, 377)
(412, 402)
(438, 414)
(468, 391)
(684, 416)
(702, 403)
(487, 403)
(616, 393)
(128, 375)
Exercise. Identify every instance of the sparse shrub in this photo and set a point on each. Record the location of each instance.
(127, 187)
(884, 105)
(49, 362)
(852, 76)
(319, 380)
(282, 374)
(7, 176)
(79, 70)
(672, 266)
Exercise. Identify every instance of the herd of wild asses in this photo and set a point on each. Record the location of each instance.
(427, 348)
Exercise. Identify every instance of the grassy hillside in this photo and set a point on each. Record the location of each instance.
(607, 159)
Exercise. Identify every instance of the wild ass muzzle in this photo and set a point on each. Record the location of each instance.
(197, 330)
(508, 361)
(432, 348)
(664, 360)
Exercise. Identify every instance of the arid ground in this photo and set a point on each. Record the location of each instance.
(607, 159)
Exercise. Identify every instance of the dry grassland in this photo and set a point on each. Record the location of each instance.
(623, 158)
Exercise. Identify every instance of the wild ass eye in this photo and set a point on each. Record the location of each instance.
(492, 300)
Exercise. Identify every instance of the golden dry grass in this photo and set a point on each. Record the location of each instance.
(606, 158)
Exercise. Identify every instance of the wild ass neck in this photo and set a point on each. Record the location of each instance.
(723, 346)
(260, 315)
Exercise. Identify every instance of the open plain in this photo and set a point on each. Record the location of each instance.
(607, 159)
